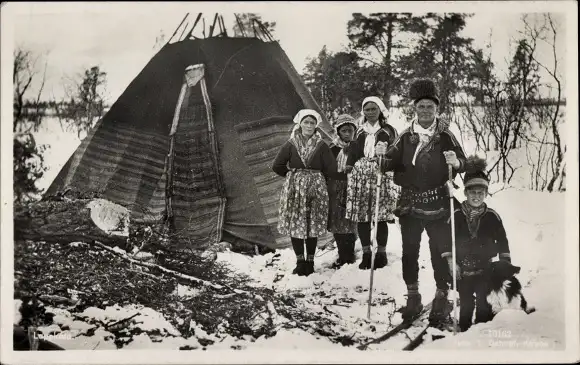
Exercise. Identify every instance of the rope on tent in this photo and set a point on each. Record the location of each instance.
(227, 64)
(176, 29)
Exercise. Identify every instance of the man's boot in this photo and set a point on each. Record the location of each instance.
(414, 305)
(441, 309)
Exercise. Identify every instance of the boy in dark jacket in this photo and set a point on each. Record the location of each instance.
(480, 236)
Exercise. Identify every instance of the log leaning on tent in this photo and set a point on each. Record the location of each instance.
(60, 221)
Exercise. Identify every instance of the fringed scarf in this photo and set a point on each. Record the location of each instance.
(425, 136)
(473, 216)
(342, 156)
(305, 147)
(371, 138)
(372, 130)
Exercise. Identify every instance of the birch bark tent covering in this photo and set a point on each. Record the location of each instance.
(193, 138)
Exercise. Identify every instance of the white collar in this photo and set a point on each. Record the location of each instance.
(371, 129)
(419, 129)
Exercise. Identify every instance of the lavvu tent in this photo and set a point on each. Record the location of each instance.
(192, 139)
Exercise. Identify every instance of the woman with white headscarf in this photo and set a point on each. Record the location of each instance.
(306, 161)
(373, 131)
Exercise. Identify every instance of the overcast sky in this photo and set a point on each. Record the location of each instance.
(119, 37)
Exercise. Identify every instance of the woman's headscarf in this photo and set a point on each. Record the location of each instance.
(379, 103)
(369, 147)
(305, 147)
(301, 115)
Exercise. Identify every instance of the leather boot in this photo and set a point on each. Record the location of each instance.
(413, 307)
(365, 263)
(441, 308)
(381, 260)
(300, 268)
(308, 267)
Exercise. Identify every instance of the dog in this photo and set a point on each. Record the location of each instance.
(504, 289)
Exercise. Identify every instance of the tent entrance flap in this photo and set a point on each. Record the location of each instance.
(195, 199)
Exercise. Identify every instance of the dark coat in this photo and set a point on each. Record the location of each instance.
(475, 249)
(424, 194)
(356, 149)
(322, 160)
(430, 170)
(335, 151)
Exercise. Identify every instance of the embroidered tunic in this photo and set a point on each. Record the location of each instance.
(479, 242)
(421, 171)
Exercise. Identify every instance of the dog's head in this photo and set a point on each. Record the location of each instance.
(500, 271)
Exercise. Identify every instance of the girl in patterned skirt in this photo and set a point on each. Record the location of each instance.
(306, 162)
(344, 230)
(361, 196)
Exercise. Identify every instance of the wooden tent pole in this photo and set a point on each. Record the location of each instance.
(211, 29)
(215, 150)
(242, 30)
(169, 184)
(225, 31)
(254, 27)
(194, 24)
(266, 31)
(171, 156)
(176, 29)
(219, 24)
(183, 32)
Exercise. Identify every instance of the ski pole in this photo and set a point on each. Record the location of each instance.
(374, 235)
(453, 253)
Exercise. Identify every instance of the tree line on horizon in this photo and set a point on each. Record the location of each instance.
(386, 52)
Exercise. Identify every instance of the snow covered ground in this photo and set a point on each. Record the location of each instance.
(536, 227)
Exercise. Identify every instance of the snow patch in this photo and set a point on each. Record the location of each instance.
(186, 292)
(110, 217)
(17, 315)
(293, 339)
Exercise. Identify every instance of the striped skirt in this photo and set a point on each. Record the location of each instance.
(337, 222)
(303, 208)
(361, 193)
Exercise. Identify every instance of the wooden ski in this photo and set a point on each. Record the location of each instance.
(400, 327)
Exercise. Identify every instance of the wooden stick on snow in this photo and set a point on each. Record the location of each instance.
(178, 274)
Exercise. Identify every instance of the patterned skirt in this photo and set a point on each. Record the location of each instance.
(303, 208)
(337, 222)
(361, 194)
